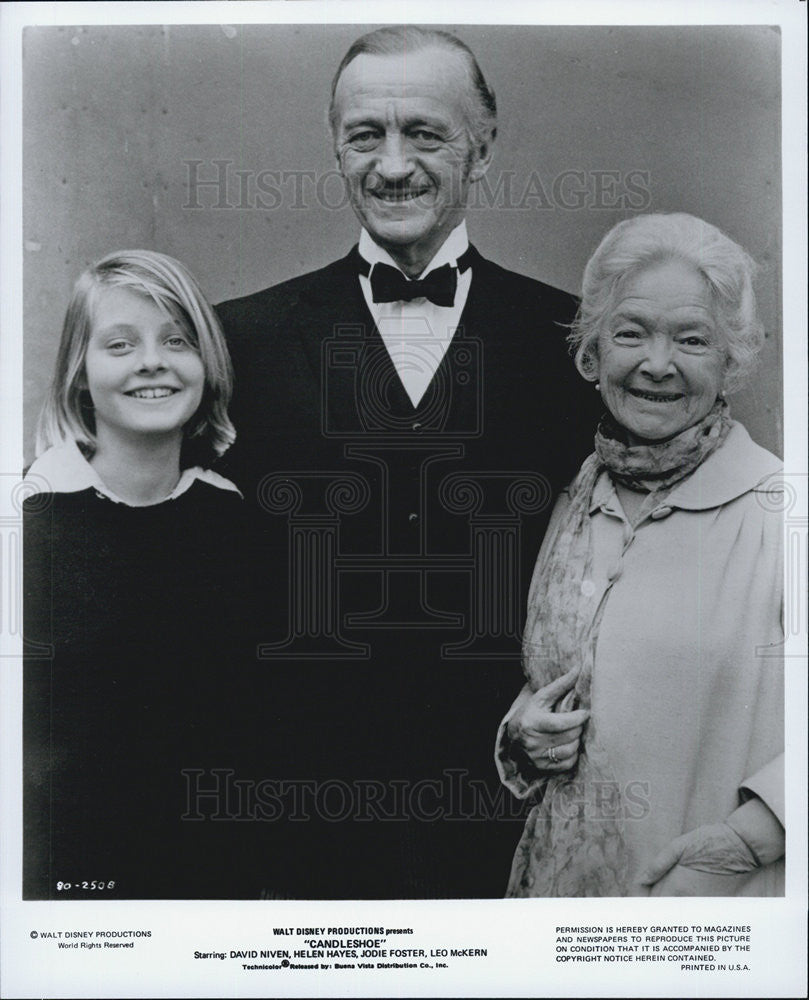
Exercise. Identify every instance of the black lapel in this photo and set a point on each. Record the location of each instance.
(335, 328)
(478, 302)
(462, 369)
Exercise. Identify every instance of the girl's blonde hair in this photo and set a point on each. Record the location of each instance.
(68, 411)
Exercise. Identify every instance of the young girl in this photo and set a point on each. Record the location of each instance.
(133, 597)
(142, 385)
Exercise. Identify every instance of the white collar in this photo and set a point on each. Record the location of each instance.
(738, 466)
(454, 246)
(64, 469)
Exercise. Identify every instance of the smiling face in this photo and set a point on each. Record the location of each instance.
(143, 372)
(661, 356)
(403, 145)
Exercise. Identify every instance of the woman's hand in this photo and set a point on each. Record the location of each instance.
(550, 739)
(682, 881)
(718, 858)
(711, 860)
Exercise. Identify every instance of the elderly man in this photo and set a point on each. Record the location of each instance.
(404, 417)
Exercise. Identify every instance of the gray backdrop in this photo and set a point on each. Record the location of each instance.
(121, 124)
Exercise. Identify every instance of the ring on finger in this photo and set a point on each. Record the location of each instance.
(552, 755)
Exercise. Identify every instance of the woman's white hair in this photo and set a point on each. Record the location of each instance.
(68, 412)
(645, 240)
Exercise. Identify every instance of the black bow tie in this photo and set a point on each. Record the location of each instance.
(388, 284)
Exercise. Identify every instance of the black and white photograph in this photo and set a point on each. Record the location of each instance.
(404, 473)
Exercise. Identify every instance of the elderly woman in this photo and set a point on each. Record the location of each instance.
(650, 730)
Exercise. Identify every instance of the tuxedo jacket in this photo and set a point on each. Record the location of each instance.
(394, 545)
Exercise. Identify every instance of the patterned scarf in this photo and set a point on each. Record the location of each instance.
(572, 844)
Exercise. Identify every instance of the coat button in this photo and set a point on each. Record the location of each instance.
(412, 517)
(417, 426)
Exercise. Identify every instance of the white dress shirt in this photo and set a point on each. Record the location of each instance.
(417, 333)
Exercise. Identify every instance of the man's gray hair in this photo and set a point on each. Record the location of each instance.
(646, 240)
(481, 106)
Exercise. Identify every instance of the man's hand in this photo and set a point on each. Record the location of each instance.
(550, 739)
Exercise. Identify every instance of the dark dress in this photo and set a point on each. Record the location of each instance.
(134, 620)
